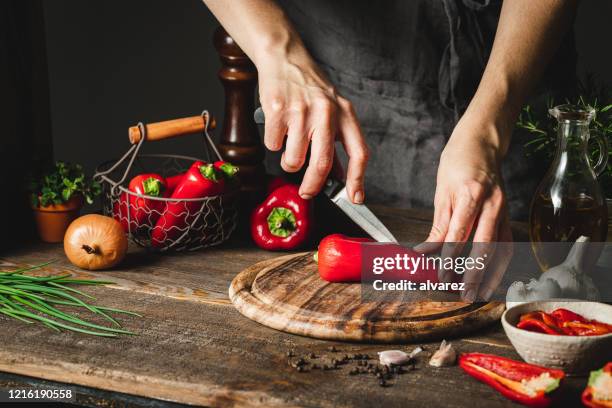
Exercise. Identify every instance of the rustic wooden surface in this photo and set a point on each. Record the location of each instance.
(287, 294)
(193, 347)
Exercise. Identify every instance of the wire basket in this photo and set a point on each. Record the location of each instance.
(163, 223)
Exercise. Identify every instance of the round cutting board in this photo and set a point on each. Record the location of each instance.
(287, 294)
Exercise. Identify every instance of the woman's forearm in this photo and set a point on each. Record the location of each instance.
(260, 27)
(528, 34)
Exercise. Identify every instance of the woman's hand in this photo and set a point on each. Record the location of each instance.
(470, 199)
(300, 104)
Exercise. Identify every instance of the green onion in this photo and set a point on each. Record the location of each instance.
(30, 299)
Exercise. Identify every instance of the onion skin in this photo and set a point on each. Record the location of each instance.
(95, 242)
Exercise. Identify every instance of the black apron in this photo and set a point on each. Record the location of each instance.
(410, 68)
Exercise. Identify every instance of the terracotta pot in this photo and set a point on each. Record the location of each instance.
(53, 220)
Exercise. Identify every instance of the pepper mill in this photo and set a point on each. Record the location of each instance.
(239, 141)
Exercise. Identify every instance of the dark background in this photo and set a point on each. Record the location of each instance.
(113, 63)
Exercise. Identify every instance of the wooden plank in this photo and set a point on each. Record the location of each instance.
(205, 354)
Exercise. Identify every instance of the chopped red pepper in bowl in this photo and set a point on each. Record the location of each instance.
(562, 322)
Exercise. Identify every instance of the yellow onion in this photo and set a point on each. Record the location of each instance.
(95, 242)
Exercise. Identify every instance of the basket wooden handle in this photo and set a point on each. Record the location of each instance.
(171, 128)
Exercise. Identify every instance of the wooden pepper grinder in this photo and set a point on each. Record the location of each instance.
(239, 142)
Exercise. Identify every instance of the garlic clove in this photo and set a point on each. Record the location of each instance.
(444, 356)
(397, 357)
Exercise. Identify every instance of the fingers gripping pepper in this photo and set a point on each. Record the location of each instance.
(283, 221)
(524, 383)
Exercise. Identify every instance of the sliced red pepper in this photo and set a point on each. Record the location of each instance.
(201, 180)
(506, 376)
(339, 260)
(592, 328)
(564, 315)
(588, 394)
(536, 325)
(283, 221)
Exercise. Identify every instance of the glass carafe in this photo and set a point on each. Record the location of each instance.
(569, 202)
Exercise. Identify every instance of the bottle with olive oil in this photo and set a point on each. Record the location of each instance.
(569, 203)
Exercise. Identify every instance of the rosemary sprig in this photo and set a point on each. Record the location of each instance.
(31, 299)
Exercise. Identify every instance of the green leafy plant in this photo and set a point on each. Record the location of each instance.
(31, 299)
(542, 128)
(61, 184)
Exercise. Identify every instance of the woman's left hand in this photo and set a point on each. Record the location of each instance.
(470, 199)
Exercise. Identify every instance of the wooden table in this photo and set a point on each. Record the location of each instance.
(194, 348)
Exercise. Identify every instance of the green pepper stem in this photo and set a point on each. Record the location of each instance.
(152, 187)
(281, 222)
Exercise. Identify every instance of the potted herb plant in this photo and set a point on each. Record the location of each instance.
(57, 198)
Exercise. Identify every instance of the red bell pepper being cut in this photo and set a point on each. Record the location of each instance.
(524, 383)
(598, 393)
(142, 211)
(283, 221)
(201, 180)
(339, 259)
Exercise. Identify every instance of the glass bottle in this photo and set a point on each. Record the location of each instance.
(568, 202)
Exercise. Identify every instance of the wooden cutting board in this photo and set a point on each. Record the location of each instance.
(287, 294)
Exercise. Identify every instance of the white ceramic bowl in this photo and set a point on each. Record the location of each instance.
(575, 355)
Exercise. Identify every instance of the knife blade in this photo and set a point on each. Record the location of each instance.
(360, 214)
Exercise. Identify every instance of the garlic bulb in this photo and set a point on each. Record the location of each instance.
(520, 292)
(566, 280)
(444, 356)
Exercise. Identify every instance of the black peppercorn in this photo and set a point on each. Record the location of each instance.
(300, 369)
(382, 382)
(312, 355)
(290, 353)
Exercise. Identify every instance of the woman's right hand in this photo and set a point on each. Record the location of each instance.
(301, 104)
(298, 101)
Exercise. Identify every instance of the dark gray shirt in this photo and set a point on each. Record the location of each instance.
(410, 67)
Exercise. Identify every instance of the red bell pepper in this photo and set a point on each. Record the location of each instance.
(536, 325)
(562, 322)
(276, 182)
(142, 211)
(228, 170)
(201, 180)
(598, 393)
(564, 315)
(339, 260)
(283, 221)
(172, 182)
(524, 383)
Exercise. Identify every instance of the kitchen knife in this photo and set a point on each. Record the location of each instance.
(358, 213)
